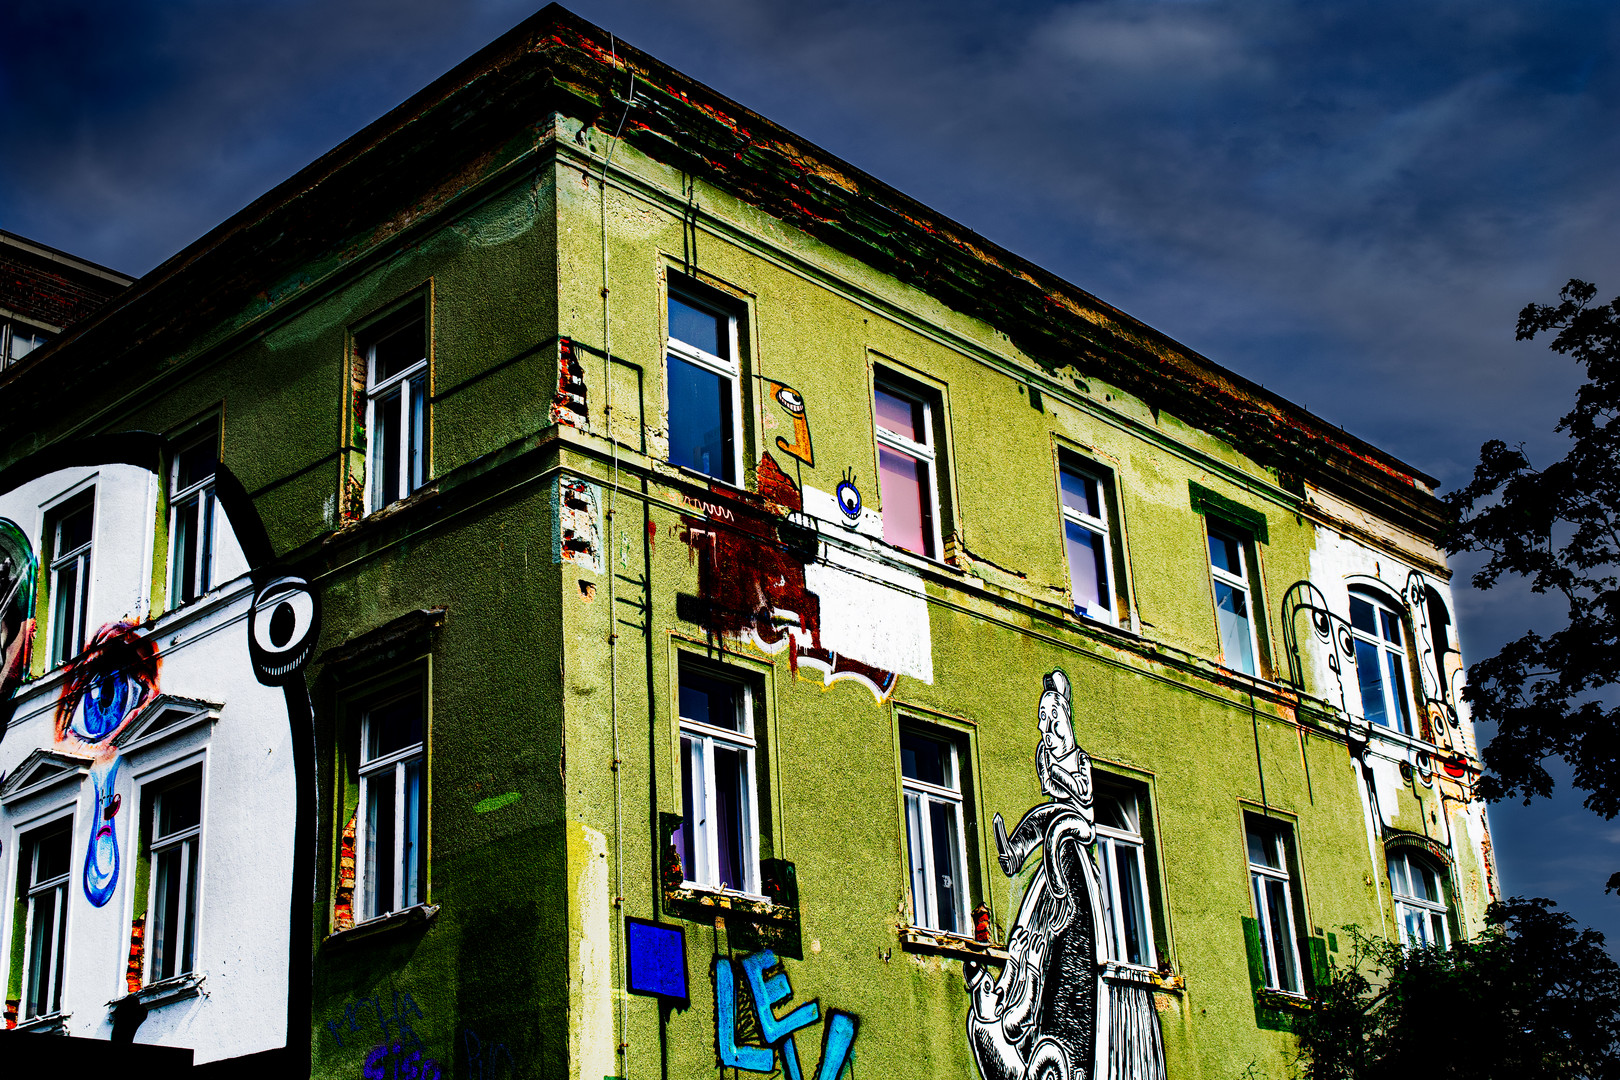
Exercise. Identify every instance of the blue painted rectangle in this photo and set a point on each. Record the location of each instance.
(657, 959)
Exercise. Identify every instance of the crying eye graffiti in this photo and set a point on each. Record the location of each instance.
(106, 684)
(282, 629)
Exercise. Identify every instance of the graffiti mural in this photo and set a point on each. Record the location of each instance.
(775, 583)
(765, 992)
(1050, 1014)
(792, 404)
(151, 653)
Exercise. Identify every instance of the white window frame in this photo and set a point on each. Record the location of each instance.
(702, 739)
(39, 335)
(1240, 581)
(201, 494)
(1400, 710)
(1108, 840)
(729, 370)
(76, 627)
(1409, 903)
(1099, 527)
(925, 870)
(923, 452)
(191, 867)
(392, 768)
(413, 464)
(1259, 877)
(62, 886)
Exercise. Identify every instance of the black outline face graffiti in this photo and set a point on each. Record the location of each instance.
(282, 629)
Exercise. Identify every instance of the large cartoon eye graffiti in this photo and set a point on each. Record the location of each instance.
(282, 629)
(203, 685)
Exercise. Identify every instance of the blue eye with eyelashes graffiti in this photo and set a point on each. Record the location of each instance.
(104, 705)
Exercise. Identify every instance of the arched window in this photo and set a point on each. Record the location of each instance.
(1381, 660)
(1420, 906)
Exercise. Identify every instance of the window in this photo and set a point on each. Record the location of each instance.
(1229, 567)
(1381, 663)
(1084, 494)
(70, 529)
(191, 514)
(705, 397)
(173, 819)
(395, 352)
(1274, 904)
(908, 467)
(392, 825)
(931, 779)
(46, 857)
(717, 839)
(18, 339)
(1122, 860)
(1420, 909)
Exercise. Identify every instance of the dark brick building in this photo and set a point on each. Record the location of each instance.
(43, 291)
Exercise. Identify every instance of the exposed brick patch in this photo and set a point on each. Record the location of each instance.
(137, 955)
(345, 889)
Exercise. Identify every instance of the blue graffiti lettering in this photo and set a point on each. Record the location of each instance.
(391, 1061)
(838, 1034)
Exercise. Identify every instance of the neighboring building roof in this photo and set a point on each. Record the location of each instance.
(480, 121)
(49, 288)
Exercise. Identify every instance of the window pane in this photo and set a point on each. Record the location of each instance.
(1390, 623)
(698, 328)
(917, 847)
(1397, 876)
(1225, 554)
(194, 464)
(947, 874)
(393, 726)
(1371, 677)
(1393, 663)
(700, 425)
(179, 807)
(42, 952)
(1263, 849)
(1424, 879)
(416, 453)
(379, 898)
(901, 415)
(166, 924)
(384, 458)
(400, 346)
(691, 814)
(75, 530)
(1268, 951)
(1081, 493)
(907, 517)
(925, 759)
(1437, 928)
(1232, 615)
(1132, 907)
(1362, 615)
(413, 852)
(53, 852)
(711, 701)
(186, 538)
(1279, 922)
(1087, 570)
(730, 793)
(66, 615)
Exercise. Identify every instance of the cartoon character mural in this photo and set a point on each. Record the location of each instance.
(164, 749)
(1051, 1015)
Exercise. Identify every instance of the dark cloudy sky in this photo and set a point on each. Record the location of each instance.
(1347, 202)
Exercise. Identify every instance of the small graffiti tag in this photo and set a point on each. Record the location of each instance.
(838, 1034)
(396, 1061)
(394, 1027)
(485, 1060)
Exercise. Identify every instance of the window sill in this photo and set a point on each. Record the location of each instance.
(415, 916)
(161, 993)
(1114, 971)
(1282, 999)
(726, 900)
(50, 1024)
(944, 943)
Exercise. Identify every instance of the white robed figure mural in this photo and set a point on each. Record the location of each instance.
(1051, 1015)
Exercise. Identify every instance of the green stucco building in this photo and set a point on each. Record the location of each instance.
(729, 585)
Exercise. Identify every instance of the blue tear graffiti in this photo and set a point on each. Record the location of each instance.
(765, 993)
(101, 859)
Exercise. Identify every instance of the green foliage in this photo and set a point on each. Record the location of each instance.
(1558, 527)
(1532, 998)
